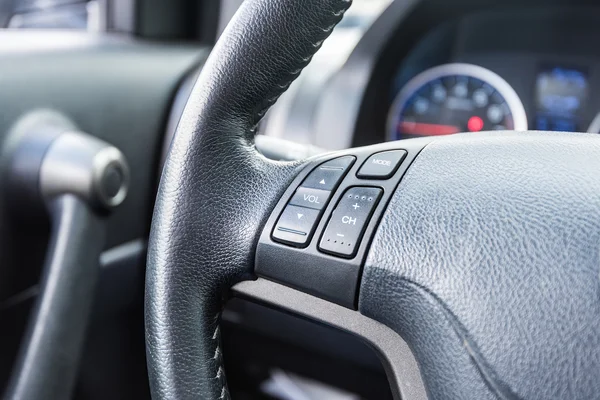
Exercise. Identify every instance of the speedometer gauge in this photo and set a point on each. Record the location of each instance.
(455, 98)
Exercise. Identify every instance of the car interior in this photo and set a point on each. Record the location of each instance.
(299, 199)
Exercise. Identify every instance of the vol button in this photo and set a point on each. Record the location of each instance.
(310, 198)
(295, 225)
(327, 175)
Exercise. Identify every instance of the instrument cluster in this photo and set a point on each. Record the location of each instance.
(463, 97)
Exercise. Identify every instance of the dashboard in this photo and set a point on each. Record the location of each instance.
(499, 70)
(434, 67)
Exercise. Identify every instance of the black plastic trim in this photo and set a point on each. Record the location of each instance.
(399, 363)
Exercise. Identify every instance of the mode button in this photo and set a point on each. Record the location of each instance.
(381, 165)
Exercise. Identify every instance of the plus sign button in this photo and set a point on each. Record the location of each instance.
(349, 220)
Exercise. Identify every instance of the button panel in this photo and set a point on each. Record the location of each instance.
(295, 251)
(296, 224)
(381, 165)
(348, 221)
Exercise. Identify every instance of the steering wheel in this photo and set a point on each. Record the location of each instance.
(479, 255)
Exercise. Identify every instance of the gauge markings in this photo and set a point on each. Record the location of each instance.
(455, 98)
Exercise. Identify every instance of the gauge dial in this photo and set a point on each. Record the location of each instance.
(455, 98)
(595, 125)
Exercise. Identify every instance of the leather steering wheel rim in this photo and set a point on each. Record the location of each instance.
(485, 261)
(195, 256)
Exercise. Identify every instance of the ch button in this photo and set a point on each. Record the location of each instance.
(349, 220)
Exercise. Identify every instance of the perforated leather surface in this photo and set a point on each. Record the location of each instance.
(217, 192)
(487, 262)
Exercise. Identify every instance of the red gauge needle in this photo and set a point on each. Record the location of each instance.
(418, 128)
